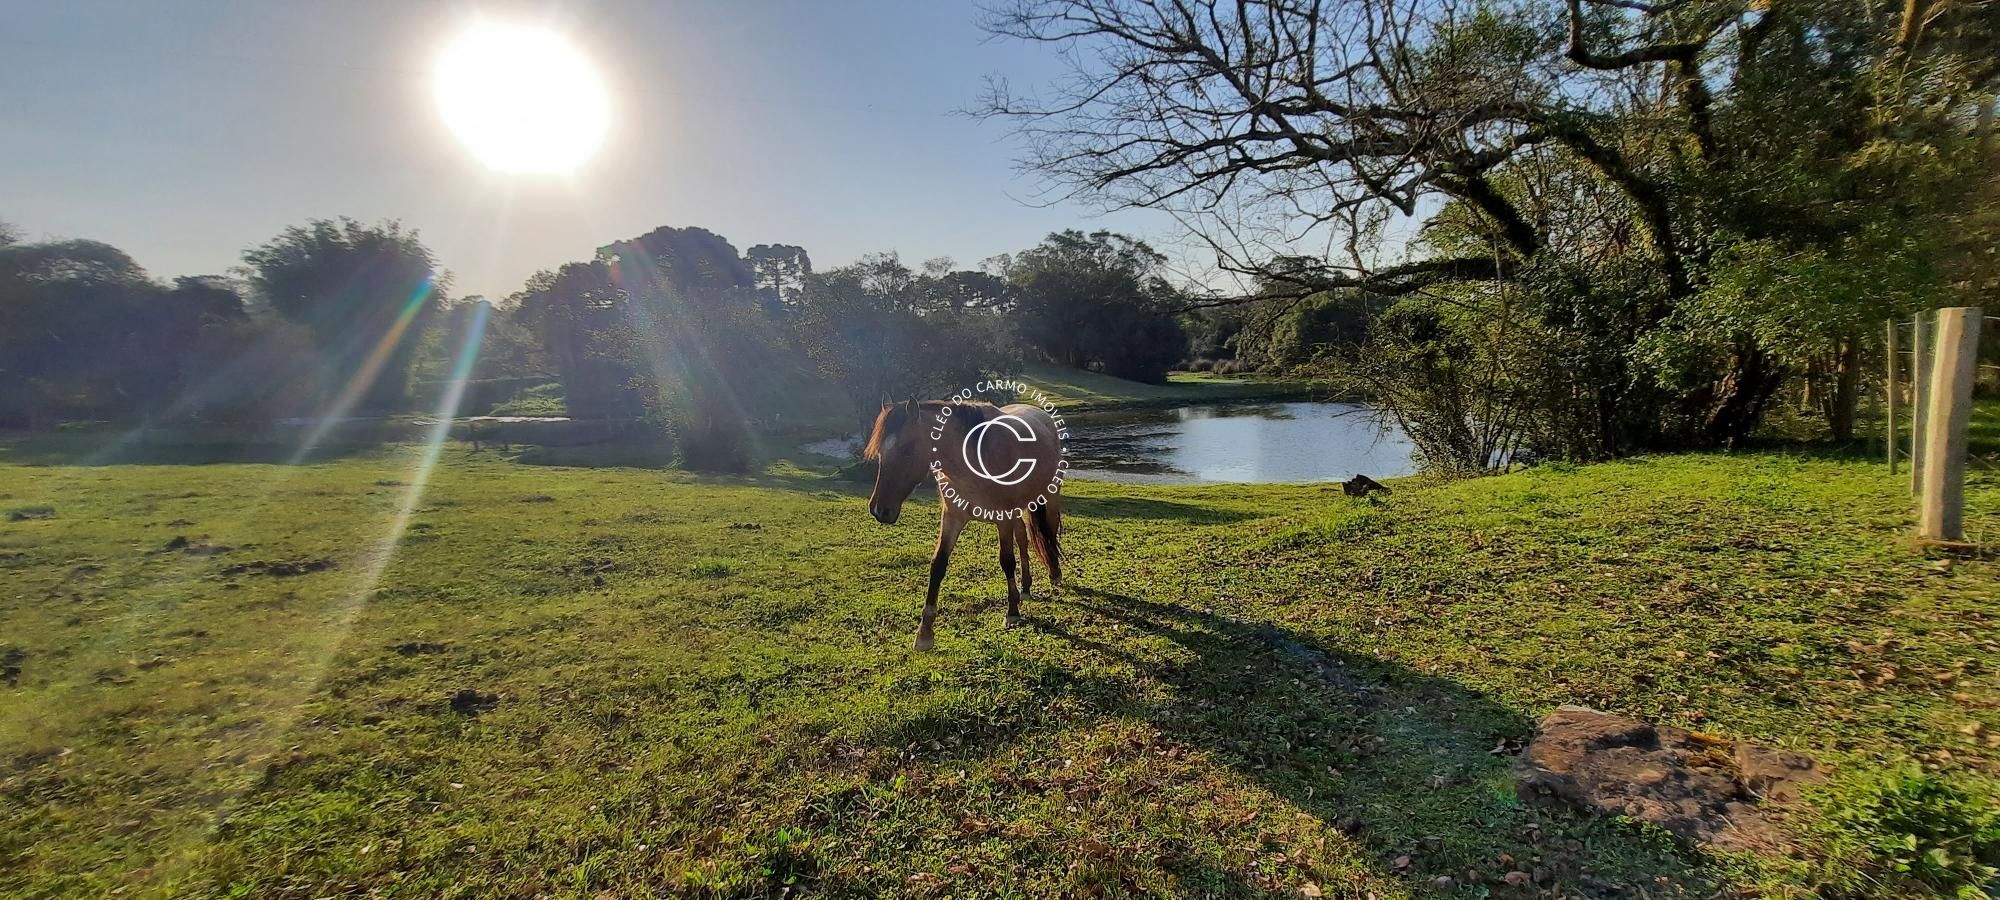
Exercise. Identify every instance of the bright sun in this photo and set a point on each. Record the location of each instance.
(522, 99)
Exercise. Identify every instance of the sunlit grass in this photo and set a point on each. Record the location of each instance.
(573, 681)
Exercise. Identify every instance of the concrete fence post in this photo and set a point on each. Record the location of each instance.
(1941, 507)
(1889, 393)
(1920, 397)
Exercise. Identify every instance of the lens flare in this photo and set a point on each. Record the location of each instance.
(363, 378)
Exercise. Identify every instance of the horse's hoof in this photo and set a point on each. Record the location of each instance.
(1016, 621)
(923, 643)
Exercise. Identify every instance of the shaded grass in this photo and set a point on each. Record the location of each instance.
(573, 681)
(1982, 433)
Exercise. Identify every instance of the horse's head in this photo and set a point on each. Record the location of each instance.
(896, 445)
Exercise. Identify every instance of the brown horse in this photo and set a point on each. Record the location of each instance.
(1019, 454)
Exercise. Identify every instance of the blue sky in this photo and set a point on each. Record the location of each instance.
(184, 132)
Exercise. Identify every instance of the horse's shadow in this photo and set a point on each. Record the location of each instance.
(1412, 765)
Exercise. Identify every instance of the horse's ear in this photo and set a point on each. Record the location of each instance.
(910, 406)
(886, 401)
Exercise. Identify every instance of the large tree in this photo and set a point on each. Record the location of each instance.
(1629, 179)
(1097, 301)
(671, 326)
(879, 331)
(363, 292)
(780, 271)
(708, 339)
(581, 317)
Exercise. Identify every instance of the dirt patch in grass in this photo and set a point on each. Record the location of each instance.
(280, 569)
(468, 702)
(194, 546)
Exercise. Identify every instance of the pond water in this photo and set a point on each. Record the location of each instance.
(1237, 442)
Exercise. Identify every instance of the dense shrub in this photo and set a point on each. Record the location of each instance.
(539, 400)
(482, 396)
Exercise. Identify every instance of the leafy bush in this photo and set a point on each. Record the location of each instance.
(1911, 832)
(486, 396)
(540, 400)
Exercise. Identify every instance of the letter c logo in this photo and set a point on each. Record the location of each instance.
(1021, 431)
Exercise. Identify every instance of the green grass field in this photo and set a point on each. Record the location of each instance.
(251, 680)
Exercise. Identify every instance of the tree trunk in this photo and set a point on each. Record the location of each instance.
(1846, 391)
(1742, 394)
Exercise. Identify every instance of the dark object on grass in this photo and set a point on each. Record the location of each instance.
(1362, 485)
(280, 569)
(469, 702)
(10, 665)
(31, 512)
(414, 648)
(1703, 789)
(197, 546)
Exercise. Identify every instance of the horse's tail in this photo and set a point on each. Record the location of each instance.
(1044, 524)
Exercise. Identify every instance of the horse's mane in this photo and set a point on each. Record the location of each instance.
(897, 416)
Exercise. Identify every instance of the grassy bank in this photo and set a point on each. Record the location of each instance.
(323, 680)
(1076, 389)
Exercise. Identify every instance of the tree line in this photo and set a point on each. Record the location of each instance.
(1639, 223)
(1557, 228)
(674, 328)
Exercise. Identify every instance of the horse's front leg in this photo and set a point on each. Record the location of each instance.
(1008, 531)
(948, 530)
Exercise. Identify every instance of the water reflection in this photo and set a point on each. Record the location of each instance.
(1237, 442)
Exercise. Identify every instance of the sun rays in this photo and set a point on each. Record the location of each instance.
(370, 369)
(301, 660)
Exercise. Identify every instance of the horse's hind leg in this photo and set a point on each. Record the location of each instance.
(1008, 539)
(1027, 560)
